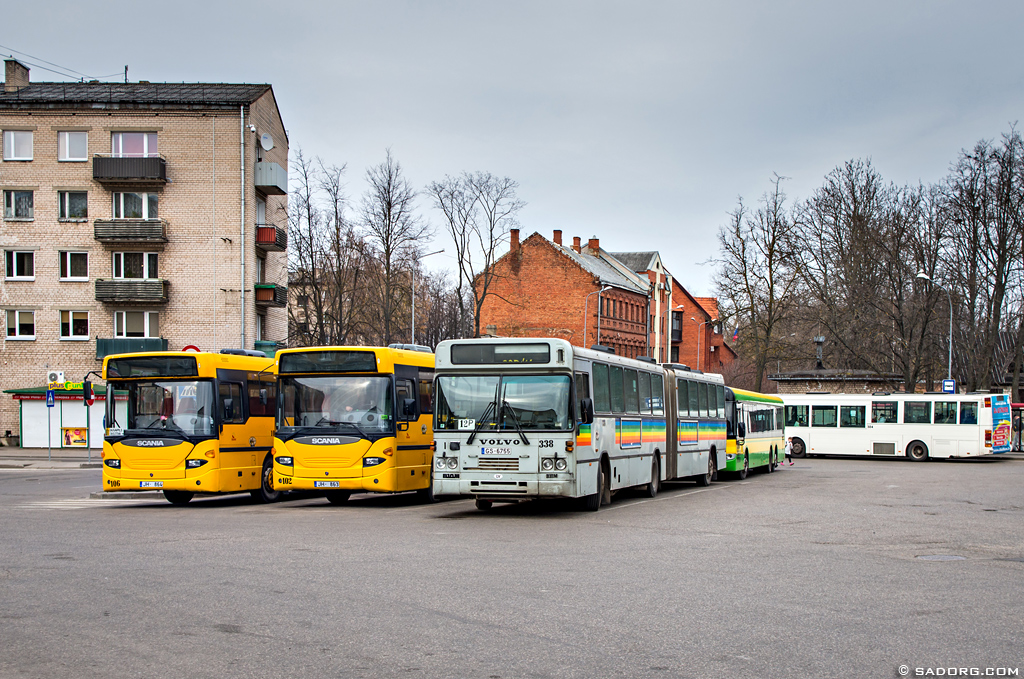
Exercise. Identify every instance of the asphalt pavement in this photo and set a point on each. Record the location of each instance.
(828, 568)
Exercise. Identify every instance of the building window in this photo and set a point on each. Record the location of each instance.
(136, 324)
(74, 325)
(302, 301)
(72, 205)
(261, 327)
(17, 145)
(18, 205)
(133, 144)
(21, 325)
(261, 269)
(74, 266)
(135, 265)
(135, 205)
(19, 266)
(73, 146)
(675, 355)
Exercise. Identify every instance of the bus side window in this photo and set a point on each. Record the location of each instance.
(968, 413)
(657, 395)
(231, 410)
(615, 389)
(602, 403)
(682, 399)
(693, 398)
(721, 400)
(426, 396)
(645, 393)
(262, 398)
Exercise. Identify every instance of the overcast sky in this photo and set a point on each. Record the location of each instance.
(640, 123)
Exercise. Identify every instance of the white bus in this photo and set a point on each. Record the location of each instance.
(917, 426)
(524, 418)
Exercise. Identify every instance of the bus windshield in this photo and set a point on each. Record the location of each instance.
(361, 405)
(178, 406)
(529, 402)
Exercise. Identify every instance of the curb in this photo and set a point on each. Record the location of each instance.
(129, 495)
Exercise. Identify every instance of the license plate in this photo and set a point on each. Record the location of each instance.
(151, 484)
(326, 484)
(495, 451)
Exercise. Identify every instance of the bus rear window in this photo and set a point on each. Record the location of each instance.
(153, 366)
(328, 362)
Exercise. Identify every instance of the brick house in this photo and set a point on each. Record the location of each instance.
(137, 216)
(649, 264)
(543, 288)
(720, 354)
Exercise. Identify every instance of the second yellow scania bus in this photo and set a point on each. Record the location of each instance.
(354, 420)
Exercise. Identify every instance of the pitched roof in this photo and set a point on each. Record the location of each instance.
(605, 272)
(637, 261)
(709, 304)
(132, 95)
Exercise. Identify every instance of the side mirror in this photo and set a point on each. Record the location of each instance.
(263, 396)
(229, 409)
(741, 431)
(409, 408)
(586, 411)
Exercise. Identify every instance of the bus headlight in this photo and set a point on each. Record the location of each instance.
(547, 464)
(285, 460)
(453, 463)
(440, 463)
(561, 464)
(373, 461)
(114, 464)
(194, 464)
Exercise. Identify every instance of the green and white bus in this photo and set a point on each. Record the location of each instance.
(755, 427)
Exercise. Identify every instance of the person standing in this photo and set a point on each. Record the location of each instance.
(789, 449)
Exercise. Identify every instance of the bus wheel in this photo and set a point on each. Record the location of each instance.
(917, 451)
(266, 493)
(742, 474)
(593, 502)
(652, 487)
(483, 505)
(771, 460)
(426, 495)
(799, 449)
(178, 497)
(705, 479)
(337, 497)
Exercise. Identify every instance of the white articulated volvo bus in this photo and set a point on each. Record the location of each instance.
(524, 418)
(917, 426)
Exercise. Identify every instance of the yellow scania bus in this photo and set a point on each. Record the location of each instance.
(195, 423)
(354, 420)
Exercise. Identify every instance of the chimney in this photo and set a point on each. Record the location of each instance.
(594, 244)
(558, 236)
(15, 75)
(576, 243)
(514, 233)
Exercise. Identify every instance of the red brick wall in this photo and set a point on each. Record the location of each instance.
(539, 292)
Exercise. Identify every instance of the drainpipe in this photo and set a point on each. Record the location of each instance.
(241, 144)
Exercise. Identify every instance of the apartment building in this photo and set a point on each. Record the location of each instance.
(137, 216)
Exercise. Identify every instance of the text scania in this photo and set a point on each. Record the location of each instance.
(319, 441)
(150, 444)
(966, 671)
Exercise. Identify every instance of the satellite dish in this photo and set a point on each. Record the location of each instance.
(266, 141)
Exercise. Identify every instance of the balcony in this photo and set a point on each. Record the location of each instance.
(105, 346)
(269, 294)
(131, 290)
(108, 169)
(124, 231)
(271, 179)
(271, 238)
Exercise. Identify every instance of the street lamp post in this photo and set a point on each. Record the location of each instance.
(949, 365)
(586, 315)
(414, 290)
(698, 339)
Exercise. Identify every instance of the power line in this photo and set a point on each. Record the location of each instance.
(70, 70)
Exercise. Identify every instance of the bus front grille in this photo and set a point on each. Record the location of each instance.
(507, 465)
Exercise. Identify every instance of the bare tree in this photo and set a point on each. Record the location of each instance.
(393, 231)
(479, 209)
(756, 280)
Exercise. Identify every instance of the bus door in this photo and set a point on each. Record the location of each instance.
(414, 427)
(236, 450)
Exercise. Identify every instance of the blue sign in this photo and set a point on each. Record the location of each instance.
(49, 398)
(948, 386)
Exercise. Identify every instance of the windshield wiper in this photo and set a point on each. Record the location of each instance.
(515, 420)
(480, 423)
